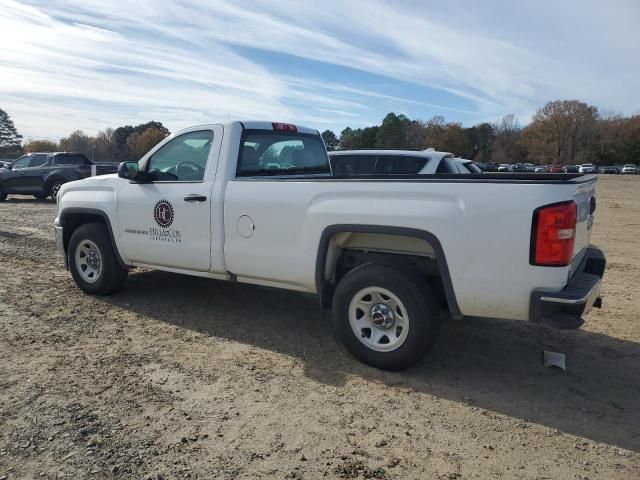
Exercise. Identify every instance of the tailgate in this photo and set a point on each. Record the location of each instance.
(585, 198)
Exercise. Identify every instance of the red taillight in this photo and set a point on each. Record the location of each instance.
(284, 127)
(554, 232)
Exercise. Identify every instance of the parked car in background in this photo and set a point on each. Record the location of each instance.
(539, 169)
(553, 169)
(42, 174)
(588, 168)
(353, 163)
(629, 169)
(520, 168)
(489, 167)
(572, 169)
(609, 169)
(504, 167)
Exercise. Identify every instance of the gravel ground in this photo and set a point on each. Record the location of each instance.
(182, 377)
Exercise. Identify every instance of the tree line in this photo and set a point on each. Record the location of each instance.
(126, 143)
(564, 132)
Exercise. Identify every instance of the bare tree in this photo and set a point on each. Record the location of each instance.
(562, 131)
(507, 147)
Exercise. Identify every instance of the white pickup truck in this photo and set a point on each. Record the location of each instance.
(255, 202)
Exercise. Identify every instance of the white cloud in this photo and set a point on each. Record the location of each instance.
(91, 64)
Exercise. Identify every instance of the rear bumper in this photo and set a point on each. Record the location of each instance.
(565, 309)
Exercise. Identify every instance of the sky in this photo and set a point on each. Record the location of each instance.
(92, 64)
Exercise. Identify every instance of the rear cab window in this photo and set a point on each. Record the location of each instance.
(278, 152)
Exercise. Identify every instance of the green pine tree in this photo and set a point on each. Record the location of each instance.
(10, 139)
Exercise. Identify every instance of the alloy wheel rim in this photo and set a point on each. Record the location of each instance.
(55, 188)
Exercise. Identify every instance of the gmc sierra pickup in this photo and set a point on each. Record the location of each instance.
(42, 174)
(255, 202)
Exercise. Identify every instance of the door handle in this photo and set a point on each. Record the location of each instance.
(195, 198)
(43, 171)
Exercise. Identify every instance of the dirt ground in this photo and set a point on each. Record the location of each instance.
(180, 377)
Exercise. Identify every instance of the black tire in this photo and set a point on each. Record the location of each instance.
(53, 187)
(112, 276)
(419, 302)
(3, 195)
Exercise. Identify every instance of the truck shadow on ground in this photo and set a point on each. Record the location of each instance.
(492, 364)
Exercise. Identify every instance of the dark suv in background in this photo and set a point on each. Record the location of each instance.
(42, 174)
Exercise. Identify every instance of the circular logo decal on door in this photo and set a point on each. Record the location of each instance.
(163, 213)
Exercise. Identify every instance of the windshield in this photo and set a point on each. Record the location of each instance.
(268, 152)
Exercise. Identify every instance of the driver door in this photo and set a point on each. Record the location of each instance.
(166, 222)
(33, 175)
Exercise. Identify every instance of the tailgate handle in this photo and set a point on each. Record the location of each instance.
(195, 198)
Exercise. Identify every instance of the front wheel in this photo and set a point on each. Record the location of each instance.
(54, 188)
(93, 262)
(385, 317)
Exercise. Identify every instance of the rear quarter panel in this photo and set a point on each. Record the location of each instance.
(484, 229)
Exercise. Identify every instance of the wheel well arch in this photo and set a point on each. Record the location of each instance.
(54, 177)
(72, 218)
(327, 257)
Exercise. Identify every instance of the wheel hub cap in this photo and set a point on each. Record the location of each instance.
(93, 260)
(382, 316)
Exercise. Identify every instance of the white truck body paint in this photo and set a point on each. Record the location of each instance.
(483, 227)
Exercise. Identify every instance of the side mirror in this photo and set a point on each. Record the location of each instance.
(129, 171)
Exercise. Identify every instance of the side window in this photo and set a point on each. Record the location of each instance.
(350, 165)
(400, 165)
(69, 160)
(447, 165)
(183, 159)
(22, 162)
(39, 160)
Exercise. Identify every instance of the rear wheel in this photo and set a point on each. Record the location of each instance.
(385, 317)
(3, 195)
(93, 262)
